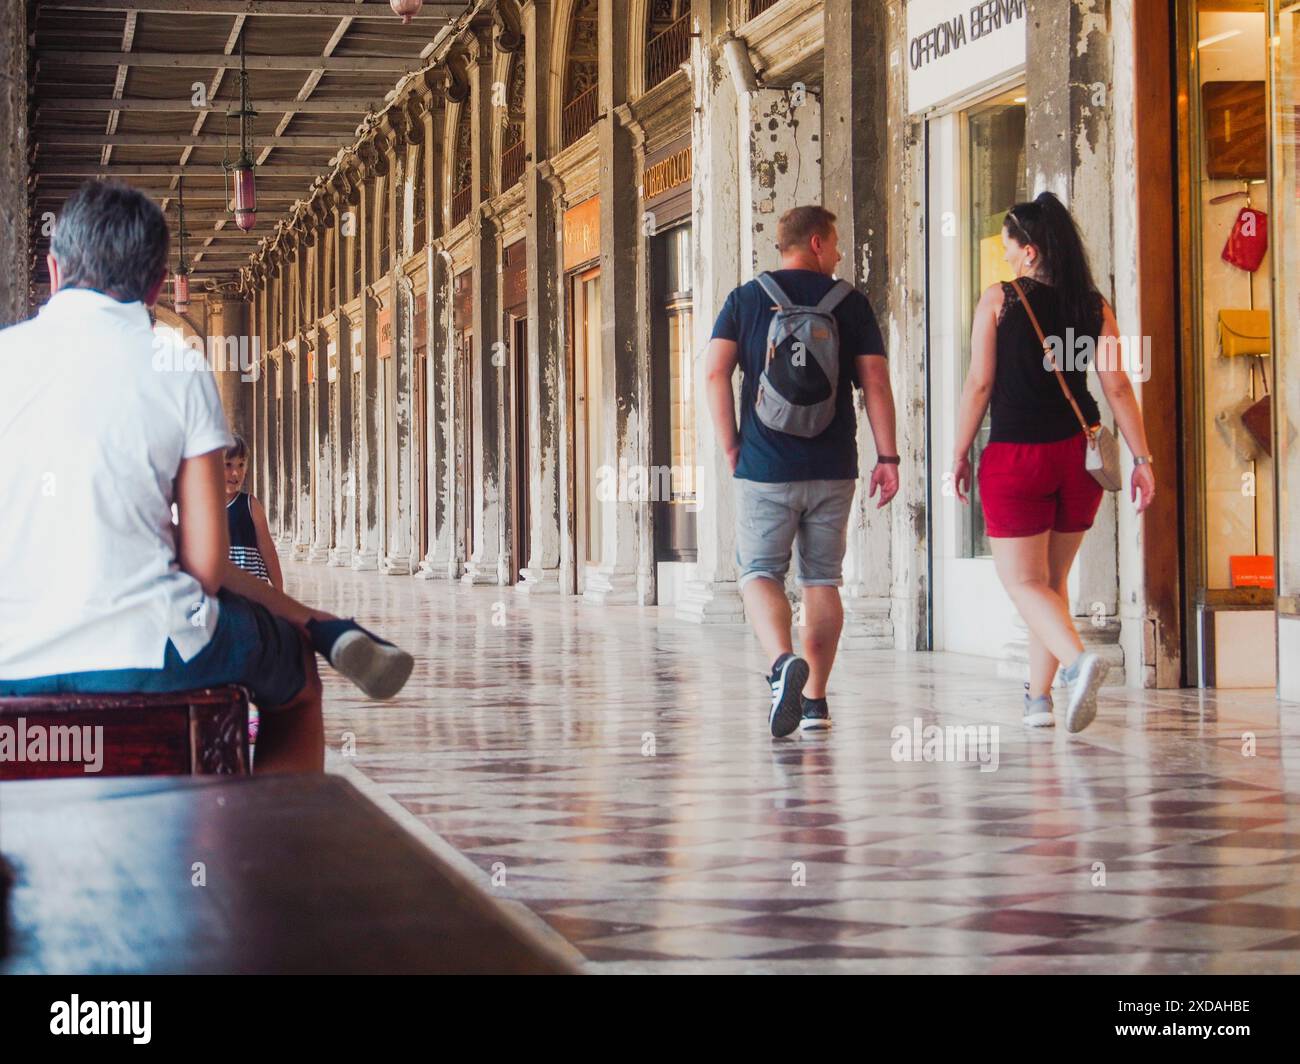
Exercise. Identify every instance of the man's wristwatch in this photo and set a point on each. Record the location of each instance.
(887, 459)
(1141, 459)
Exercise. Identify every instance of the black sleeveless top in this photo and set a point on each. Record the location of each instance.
(244, 551)
(1028, 405)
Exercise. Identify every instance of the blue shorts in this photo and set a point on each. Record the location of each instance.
(250, 647)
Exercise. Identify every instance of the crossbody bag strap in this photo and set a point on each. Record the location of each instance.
(1033, 320)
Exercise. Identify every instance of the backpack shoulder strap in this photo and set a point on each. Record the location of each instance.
(768, 283)
(832, 299)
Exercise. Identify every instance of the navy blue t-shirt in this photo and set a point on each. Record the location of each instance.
(777, 457)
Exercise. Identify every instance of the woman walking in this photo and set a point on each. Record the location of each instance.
(1039, 496)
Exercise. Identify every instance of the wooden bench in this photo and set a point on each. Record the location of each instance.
(254, 875)
(187, 733)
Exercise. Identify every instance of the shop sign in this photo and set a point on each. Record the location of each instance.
(384, 326)
(956, 47)
(582, 233)
(667, 174)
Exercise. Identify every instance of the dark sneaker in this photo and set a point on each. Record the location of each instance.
(816, 715)
(789, 674)
(373, 664)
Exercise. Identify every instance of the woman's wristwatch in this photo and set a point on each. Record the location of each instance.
(1141, 459)
(887, 459)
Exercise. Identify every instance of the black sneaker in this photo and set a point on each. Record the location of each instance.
(816, 715)
(789, 674)
(373, 664)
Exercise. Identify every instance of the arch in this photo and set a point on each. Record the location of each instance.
(173, 320)
(508, 130)
(662, 44)
(460, 171)
(574, 63)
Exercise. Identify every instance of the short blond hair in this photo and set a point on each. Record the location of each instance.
(799, 225)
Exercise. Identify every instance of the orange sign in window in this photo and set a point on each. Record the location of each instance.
(1251, 570)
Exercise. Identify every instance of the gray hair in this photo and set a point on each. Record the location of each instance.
(110, 238)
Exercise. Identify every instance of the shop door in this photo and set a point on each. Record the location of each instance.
(977, 173)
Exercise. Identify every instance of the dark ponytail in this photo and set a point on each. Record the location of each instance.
(1048, 226)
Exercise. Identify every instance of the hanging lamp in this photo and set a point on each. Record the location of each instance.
(241, 171)
(181, 278)
(408, 9)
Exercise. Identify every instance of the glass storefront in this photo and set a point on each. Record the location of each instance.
(997, 181)
(1228, 344)
(1284, 128)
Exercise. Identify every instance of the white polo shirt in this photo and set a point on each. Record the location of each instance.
(95, 418)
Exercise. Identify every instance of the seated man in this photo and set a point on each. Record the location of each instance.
(99, 591)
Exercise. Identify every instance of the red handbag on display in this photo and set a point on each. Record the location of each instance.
(1248, 241)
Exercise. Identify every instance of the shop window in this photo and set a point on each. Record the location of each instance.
(1229, 313)
(997, 179)
(1286, 285)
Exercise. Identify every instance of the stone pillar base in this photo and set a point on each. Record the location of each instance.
(711, 602)
(868, 623)
(397, 567)
(301, 551)
(478, 573)
(319, 554)
(1013, 662)
(365, 561)
(341, 557)
(605, 585)
(538, 581)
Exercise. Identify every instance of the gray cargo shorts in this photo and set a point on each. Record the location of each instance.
(771, 518)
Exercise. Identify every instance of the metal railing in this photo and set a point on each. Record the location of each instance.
(666, 51)
(512, 164)
(461, 201)
(579, 115)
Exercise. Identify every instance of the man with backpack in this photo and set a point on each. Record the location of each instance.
(802, 340)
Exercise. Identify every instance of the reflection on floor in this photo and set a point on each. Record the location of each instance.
(610, 768)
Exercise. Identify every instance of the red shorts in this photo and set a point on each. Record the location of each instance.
(1030, 488)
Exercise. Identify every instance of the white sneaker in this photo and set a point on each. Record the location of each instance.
(1089, 674)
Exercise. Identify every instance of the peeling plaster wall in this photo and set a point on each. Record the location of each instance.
(781, 157)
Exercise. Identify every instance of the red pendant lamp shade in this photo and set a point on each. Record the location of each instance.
(181, 290)
(245, 195)
(406, 8)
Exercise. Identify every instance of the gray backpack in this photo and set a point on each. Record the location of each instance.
(796, 392)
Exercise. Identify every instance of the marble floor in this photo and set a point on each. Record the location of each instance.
(608, 773)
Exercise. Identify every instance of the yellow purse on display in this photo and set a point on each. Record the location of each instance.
(1244, 332)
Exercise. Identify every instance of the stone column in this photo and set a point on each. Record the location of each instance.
(1070, 152)
(545, 310)
(855, 178)
(367, 464)
(14, 223)
(483, 567)
(715, 209)
(231, 350)
(626, 431)
(324, 344)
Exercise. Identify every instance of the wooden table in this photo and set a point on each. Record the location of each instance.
(302, 873)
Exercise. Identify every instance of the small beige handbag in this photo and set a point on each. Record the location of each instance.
(1102, 457)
